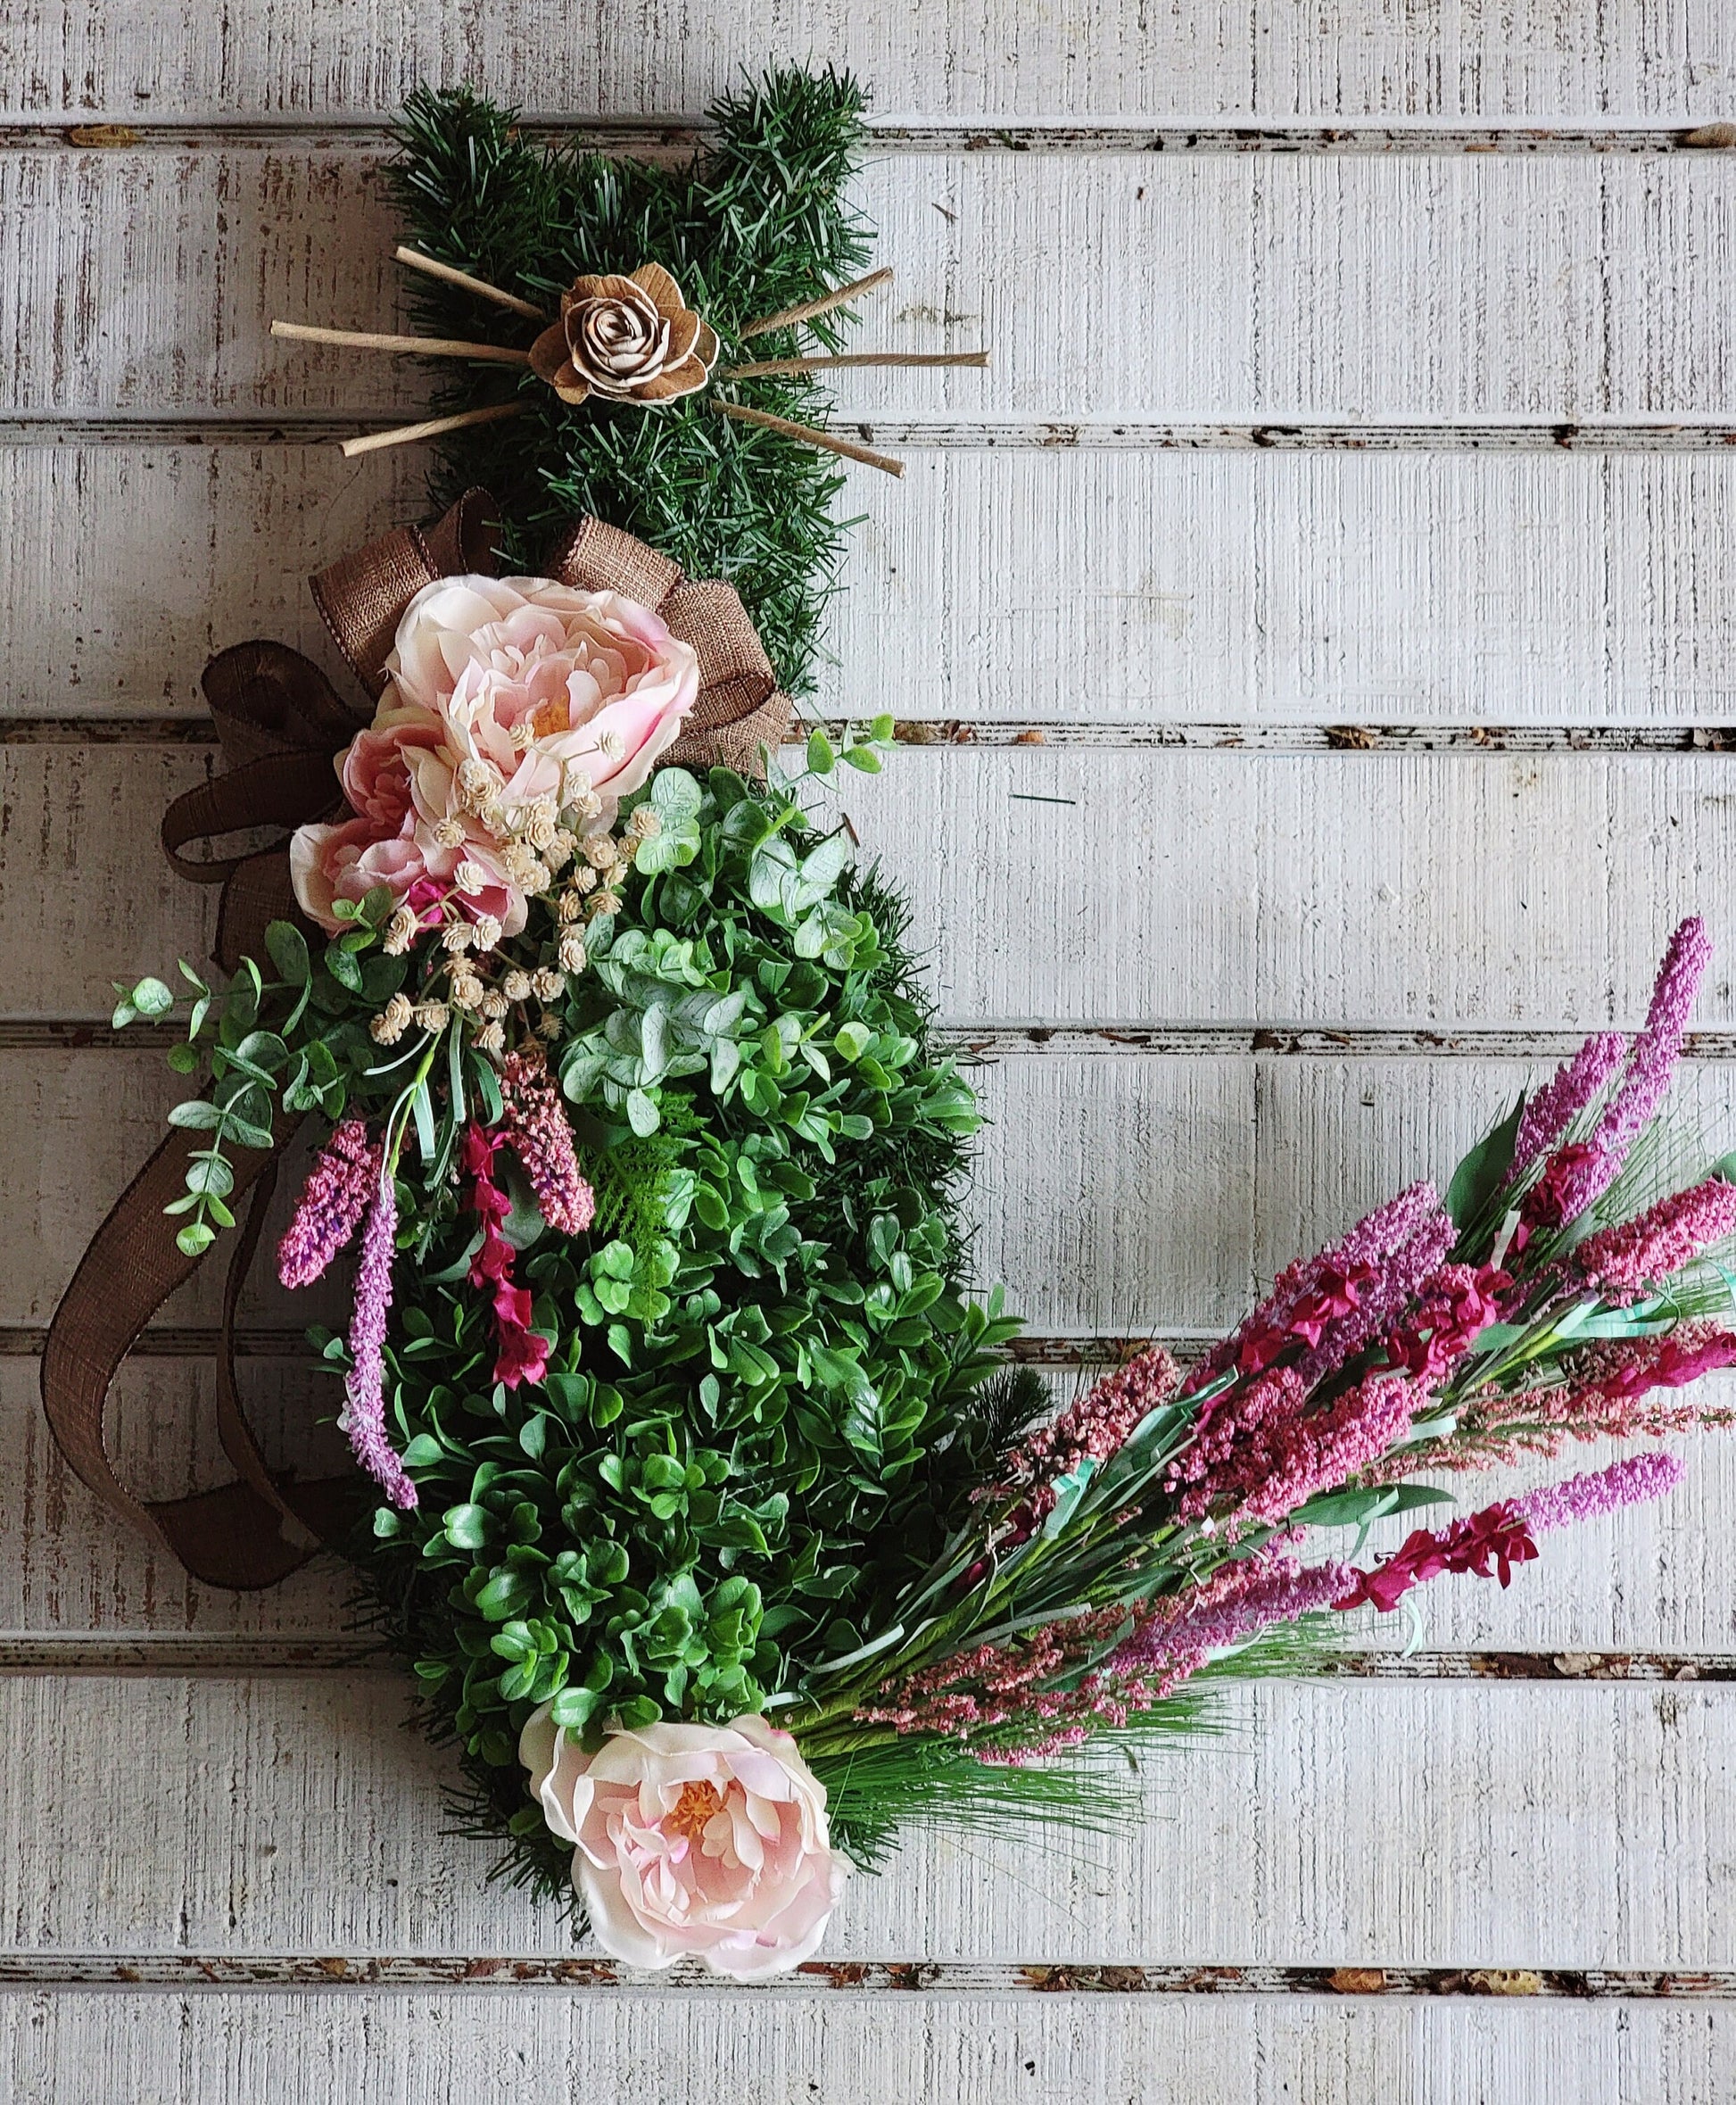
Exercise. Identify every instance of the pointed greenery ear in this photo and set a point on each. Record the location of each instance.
(755, 222)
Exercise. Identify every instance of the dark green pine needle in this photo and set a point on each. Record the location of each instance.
(756, 222)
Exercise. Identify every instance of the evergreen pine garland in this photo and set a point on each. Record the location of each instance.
(756, 221)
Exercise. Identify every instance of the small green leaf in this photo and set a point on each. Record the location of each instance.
(197, 1116)
(151, 998)
(466, 1527)
(1479, 1177)
(643, 1113)
(195, 1238)
(864, 758)
(288, 948)
(820, 758)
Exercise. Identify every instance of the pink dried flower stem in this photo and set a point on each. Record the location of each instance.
(1574, 1087)
(1623, 1261)
(364, 1413)
(1093, 1428)
(1579, 1174)
(1609, 1392)
(1264, 1453)
(1492, 1541)
(1334, 1273)
(1600, 1491)
(343, 1180)
(1242, 1600)
(540, 1138)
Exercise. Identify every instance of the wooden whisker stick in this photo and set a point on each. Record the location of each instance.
(787, 317)
(827, 441)
(763, 369)
(497, 354)
(407, 435)
(462, 279)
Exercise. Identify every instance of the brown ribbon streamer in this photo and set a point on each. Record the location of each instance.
(279, 723)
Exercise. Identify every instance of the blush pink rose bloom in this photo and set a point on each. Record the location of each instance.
(706, 1842)
(501, 693)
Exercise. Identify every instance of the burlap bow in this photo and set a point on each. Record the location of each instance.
(280, 722)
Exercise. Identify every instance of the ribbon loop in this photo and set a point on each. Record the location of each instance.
(599, 558)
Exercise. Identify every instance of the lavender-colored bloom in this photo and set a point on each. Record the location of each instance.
(1280, 1594)
(1376, 1239)
(364, 1413)
(1650, 1068)
(1600, 1491)
(1575, 1085)
(1401, 1277)
(332, 1204)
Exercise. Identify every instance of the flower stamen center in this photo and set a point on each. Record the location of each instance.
(694, 1811)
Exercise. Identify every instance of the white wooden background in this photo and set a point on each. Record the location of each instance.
(1352, 506)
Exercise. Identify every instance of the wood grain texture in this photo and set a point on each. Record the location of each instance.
(1073, 2050)
(1240, 288)
(1106, 61)
(1654, 1580)
(999, 586)
(293, 1813)
(1069, 885)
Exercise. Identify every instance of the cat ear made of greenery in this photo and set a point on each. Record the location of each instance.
(753, 222)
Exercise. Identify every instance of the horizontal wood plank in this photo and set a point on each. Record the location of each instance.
(73, 1131)
(1223, 287)
(1109, 61)
(999, 587)
(294, 1814)
(1069, 885)
(1073, 2049)
(74, 1587)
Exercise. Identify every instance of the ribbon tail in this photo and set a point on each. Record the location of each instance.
(231, 1536)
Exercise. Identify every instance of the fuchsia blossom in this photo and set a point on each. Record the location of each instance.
(1635, 1365)
(1339, 1272)
(1489, 1543)
(1459, 1304)
(1396, 1283)
(332, 1204)
(1576, 1085)
(522, 1354)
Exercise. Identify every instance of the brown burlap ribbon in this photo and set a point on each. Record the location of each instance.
(279, 723)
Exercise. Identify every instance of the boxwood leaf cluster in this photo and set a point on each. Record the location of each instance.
(759, 1415)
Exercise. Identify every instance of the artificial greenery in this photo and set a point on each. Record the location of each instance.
(757, 1420)
(753, 223)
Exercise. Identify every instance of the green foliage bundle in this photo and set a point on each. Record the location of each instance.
(756, 1423)
(755, 223)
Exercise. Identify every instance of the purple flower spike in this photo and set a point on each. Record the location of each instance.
(364, 1413)
(332, 1204)
(1601, 1491)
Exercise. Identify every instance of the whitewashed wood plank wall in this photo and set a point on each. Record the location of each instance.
(1345, 530)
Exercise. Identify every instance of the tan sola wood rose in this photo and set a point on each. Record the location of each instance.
(628, 339)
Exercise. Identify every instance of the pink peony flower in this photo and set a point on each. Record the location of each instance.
(707, 1842)
(507, 700)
